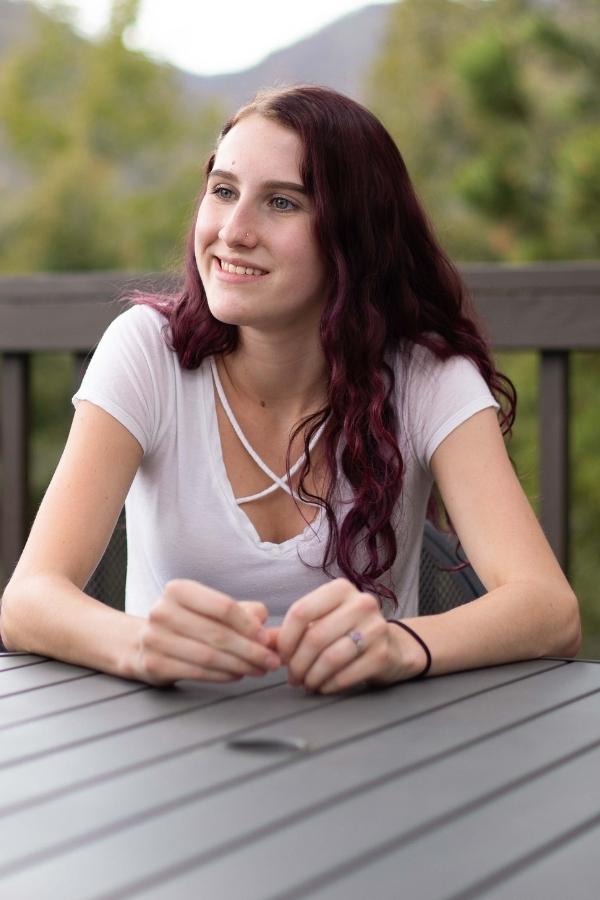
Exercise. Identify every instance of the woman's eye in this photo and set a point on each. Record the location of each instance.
(224, 193)
(282, 204)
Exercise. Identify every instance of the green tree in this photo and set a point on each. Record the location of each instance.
(110, 156)
(494, 104)
(108, 163)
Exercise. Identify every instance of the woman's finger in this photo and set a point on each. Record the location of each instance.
(303, 614)
(163, 670)
(361, 670)
(198, 598)
(374, 666)
(187, 620)
(272, 638)
(159, 641)
(357, 612)
(370, 648)
(255, 609)
(203, 640)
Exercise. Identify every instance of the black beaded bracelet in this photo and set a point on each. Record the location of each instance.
(420, 641)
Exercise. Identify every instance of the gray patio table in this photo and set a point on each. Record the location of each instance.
(478, 784)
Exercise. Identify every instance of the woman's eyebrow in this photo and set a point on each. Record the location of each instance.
(269, 185)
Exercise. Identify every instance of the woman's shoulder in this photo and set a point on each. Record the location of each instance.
(139, 331)
(431, 386)
(436, 393)
(142, 319)
(418, 364)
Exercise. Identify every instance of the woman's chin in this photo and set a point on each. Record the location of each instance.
(228, 313)
(231, 318)
(232, 315)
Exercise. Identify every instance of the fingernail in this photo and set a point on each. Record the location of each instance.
(273, 661)
(262, 636)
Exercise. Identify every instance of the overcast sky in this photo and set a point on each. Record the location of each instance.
(208, 36)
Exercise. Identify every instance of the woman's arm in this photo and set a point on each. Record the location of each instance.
(530, 609)
(191, 631)
(336, 637)
(44, 609)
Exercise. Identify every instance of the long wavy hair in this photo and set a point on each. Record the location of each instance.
(390, 282)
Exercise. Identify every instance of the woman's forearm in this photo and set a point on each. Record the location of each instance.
(516, 621)
(49, 615)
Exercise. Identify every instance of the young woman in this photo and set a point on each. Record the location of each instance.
(277, 429)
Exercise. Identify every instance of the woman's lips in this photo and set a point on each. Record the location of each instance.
(240, 269)
(236, 274)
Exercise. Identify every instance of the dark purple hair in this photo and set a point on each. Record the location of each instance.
(390, 282)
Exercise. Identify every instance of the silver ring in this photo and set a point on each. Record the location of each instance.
(357, 638)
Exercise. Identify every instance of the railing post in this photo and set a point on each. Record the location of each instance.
(79, 365)
(554, 451)
(15, 458)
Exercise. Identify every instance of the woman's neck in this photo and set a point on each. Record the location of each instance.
(285, 376)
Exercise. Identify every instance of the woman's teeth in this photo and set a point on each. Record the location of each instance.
(239, 270)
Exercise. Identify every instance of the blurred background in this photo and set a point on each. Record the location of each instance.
(108, 111)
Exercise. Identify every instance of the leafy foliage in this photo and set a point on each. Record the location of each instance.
(106, 147)
(107, 163)
(494, 105)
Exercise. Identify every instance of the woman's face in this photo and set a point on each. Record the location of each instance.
(256, 251)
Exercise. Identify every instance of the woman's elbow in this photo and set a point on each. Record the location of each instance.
(5, 636)
(13, 612)
(569, 636)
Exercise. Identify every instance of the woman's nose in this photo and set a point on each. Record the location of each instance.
(238, 229)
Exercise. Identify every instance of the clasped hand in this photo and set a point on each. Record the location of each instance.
(195, 632)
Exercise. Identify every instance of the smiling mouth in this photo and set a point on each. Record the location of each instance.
(239, 270)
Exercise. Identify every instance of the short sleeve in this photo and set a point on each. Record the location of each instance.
(439, 396)
(126, 375)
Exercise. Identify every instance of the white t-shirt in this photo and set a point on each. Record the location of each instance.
(182, 518)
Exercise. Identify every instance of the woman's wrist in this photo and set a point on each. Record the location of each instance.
(128, 662)
(414, 653)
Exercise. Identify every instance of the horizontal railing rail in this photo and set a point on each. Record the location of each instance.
(551, 308)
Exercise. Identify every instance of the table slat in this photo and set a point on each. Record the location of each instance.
(569, 870)
(213, 822)
(80, 744)
(18, 660)
(35, 712)
(492, 837)
(130, 706)
(434, 847)
(31, 678)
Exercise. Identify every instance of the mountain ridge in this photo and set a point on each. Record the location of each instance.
(339, 55)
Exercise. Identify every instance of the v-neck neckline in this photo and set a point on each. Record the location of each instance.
(247, 527)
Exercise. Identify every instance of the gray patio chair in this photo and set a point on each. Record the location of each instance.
(440, 589)
(108, 581)
(441, 585)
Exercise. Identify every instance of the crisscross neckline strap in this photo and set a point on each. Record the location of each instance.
(277, 481)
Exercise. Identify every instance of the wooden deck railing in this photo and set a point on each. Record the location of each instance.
(553, 309)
